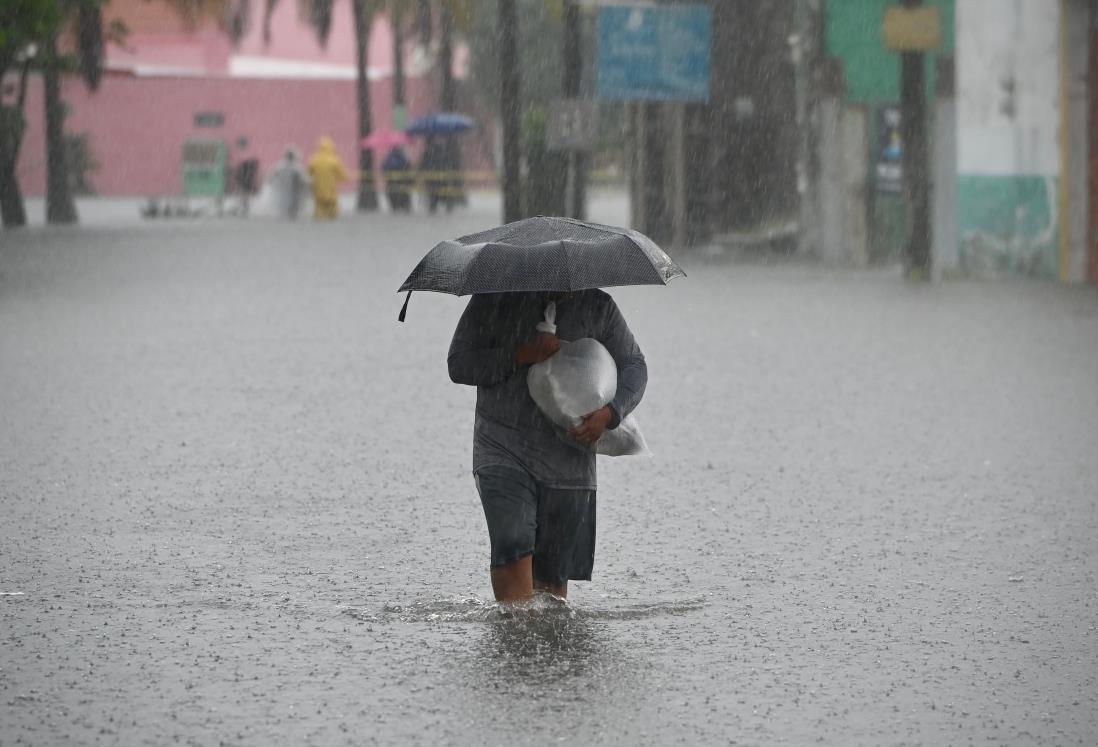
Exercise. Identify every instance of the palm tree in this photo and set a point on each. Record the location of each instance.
(28, 37)
(572, 64)
(398, 12)
(453, 14)
(85, 19)
(364, 13)
(23, 24)
(509, 103)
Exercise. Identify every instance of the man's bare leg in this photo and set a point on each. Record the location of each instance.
(559, 590)
(514, 582)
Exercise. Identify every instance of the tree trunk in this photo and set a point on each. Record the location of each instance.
(398, 60)
(447, 98)
(509, 109)
(573, 67)
(12, 212)
(60, 207)
(12, 124)
(913, 135)
(455, 187)
(367, 195)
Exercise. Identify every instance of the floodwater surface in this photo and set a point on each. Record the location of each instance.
(237, 506)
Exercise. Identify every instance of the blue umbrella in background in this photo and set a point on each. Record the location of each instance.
(440, 123)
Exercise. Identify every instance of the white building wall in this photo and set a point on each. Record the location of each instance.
(1008, 119)
(1008, 86)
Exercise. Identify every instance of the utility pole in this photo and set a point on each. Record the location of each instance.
(60, 206)
(507, 28)
(367, 194)
(573, 68)
(799, 48)
(913, 133)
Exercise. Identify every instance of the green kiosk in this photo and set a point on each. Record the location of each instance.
(204, 168)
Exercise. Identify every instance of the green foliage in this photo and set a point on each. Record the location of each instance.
(81, 163)
(88, 25)
(24, 23)
(319, 15)
(27, 25)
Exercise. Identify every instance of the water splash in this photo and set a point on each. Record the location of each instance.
(543, 607)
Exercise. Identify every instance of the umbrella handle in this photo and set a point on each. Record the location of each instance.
(404, 308)
(549, 325)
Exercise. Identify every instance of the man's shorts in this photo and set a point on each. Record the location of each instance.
(555, 525)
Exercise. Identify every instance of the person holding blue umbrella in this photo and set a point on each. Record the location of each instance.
(440, 123)
(433, 168)
(440, 164)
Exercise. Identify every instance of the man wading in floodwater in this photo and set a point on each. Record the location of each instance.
(537, 481)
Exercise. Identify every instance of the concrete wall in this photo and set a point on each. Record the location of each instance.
(843, 158)
(944, 261)
(1008, 118)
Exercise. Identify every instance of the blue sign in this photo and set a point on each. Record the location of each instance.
(654, 53)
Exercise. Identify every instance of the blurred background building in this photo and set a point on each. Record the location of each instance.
(795, 142)
(1013, 84)
(1012, 89)
(175, 79)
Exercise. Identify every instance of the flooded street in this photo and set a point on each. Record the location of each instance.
(238, 505)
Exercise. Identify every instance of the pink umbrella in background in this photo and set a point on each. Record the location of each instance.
(385, 139)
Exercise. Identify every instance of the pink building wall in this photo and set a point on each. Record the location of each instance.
(137, 126)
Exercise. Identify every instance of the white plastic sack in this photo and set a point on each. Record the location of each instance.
(579, 379)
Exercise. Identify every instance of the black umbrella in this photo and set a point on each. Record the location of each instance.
(541, 254)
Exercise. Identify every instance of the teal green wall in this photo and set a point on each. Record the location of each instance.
(1008, 225)
(852, 30)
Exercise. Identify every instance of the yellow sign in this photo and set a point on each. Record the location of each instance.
(912, 29)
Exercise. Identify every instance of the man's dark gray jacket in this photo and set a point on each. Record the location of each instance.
(509, 429)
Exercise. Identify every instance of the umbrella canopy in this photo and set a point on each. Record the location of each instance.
(385, 139)
(440, 123)
(542, 254)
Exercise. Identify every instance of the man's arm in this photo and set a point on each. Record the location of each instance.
(473, 359)
(632, 368)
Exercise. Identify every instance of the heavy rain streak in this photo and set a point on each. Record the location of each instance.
(548, 371)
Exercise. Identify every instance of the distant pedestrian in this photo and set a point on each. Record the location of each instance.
(327, 173)
(245, 178)
(398, 182)
(432, 169)
(288, 182)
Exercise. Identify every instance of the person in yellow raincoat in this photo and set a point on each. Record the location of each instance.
(327, 173)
